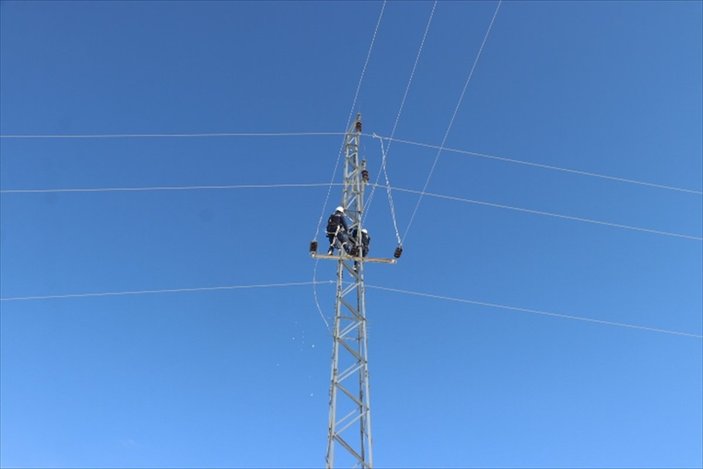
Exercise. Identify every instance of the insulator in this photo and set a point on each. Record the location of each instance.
(313, 246)
(365, 175)
(398, 252)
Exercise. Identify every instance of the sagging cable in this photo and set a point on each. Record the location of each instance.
(399, 249)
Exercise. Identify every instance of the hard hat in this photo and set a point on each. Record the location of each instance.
(339, 209)
(365, 231)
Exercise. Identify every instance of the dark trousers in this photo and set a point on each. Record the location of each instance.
(340, 238)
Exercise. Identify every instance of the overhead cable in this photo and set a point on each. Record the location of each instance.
(451, 121)
(544, 166)
(390, 138)
(309, 185)
(349, 119)
(171, 135)
(167, 188)
(391, 205)
(339, 157)
(535, 311)
(549, 214)
(367, 205)
(377, 287)
(170, 290)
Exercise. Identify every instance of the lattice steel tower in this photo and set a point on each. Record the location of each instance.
(349, 409)
(350, 412)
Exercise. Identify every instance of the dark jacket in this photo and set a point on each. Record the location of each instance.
(365, 240)
(334, 222)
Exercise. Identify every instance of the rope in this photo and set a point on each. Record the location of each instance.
(550, 214)
(535, 311)
(400, 109)
(451, 121)
(145, 292)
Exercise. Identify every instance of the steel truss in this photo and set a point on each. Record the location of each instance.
(350, 412)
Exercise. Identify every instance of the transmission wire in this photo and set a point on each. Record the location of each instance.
(545, 166)
(144, 292)
(339, 156)
(388, 192)
(349, 118)
(170, 135)
(400, 111)
(307, 185)
(377, 287)
(389, 138)
(167, 188)
(549, 214)
(451, 121)
(535, 311)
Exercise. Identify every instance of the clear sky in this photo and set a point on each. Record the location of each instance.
(240, 377)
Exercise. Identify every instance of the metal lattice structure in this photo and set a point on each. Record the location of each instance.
(350, 412)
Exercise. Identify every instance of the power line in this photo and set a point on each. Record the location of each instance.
(311, 185)
(451, 121)
(549, 214)
(389, 138)
(397, 116)
(377, 287)
(172, 135)
(339, 157)
(167, 188)
(391, 205)
(535, 311)
(349, 118)
(412, 72)
(545, 166)
(170, 290)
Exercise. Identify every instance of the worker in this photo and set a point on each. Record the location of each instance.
(337, 231)
(365, 241)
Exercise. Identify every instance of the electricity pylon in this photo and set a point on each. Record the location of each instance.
(350, 411)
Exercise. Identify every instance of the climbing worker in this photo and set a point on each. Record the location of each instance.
(365, 241)
(337, 231)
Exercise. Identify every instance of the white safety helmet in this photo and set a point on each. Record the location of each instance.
(339, 209)
(365, 231)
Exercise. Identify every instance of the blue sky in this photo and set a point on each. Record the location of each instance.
(240, 377)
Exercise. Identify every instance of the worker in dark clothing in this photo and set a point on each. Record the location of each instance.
(365, 241)
(337, 231)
